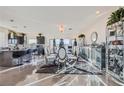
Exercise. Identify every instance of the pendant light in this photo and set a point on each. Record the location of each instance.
(61, 28)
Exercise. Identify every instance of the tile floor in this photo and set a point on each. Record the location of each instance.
(25, 75)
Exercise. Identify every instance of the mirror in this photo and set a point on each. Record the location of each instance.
(94, 37)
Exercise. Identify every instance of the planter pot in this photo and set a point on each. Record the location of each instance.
(120, 23)
(116, 24)
(109, 27)
(122, 19)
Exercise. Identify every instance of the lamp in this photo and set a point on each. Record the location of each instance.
(61, 28)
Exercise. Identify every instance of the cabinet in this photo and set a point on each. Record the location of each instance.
(85, 52)
(115, 50)
(40, 40)
(94, 54)
(98, 56)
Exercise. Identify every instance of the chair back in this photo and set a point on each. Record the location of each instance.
(62, 53)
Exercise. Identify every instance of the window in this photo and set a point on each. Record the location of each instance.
(32, 41)
(67, 41)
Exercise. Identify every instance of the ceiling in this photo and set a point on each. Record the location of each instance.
(45, 19)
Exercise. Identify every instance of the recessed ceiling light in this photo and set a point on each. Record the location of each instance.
(97, 12)
(25, 26)
(11, 20)
(70, 29)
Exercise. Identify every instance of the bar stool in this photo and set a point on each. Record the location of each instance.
(28, 55)
(19, 56)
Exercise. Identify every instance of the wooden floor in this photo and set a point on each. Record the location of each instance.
(25, 75)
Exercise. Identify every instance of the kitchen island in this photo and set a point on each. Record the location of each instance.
(10, 58)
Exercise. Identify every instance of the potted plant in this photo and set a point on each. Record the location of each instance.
(81, 36)
(82, 39)
(116, 17)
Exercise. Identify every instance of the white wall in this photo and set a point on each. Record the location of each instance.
(98, 26)
(3, 37)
